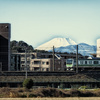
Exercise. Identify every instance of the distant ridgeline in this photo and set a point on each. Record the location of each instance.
(20, 46)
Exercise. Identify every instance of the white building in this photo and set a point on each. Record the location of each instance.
(98, 47)
(46, 64)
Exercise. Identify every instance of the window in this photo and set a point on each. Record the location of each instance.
(85, 62)
(23, 65)
(22, 62)
(22, 55)
(47, 63)
(37, 62)
(43, 69)
(69, 61)
(81, 62)
(43, 62)
(95, 62)
(90, 62)
(28, 61)
(47, 69)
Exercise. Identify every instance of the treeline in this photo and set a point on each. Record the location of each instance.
(20, 46)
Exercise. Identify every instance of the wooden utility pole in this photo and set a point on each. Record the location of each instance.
(76, 58)
(53, 59)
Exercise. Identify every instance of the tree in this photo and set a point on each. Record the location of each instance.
(20, 46)
(28, 83)
(62, 85)
(22, 43)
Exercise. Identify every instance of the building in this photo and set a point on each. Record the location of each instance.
(98, 48)
(37, 61)
(22, 60)
(48, 64)
(5, 31)
(15, 62)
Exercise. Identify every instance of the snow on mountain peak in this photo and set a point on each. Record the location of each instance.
(56, 42)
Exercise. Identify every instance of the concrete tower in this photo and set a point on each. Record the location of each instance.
(5, 29)
(98, 48)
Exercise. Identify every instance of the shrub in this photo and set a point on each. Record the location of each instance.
(74, 93)
(32, 95)
(49, 92)
(88, 94)
(62, 86)
(23, 95)
(13, 94)
(28, 83)
(83, 87)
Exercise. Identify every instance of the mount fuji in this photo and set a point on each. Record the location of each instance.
(56, 42)
(68, 45)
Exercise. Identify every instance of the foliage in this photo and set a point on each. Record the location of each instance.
(61, 86)
(83, 87)
(46, 92)
(20, 46)
(28, 83)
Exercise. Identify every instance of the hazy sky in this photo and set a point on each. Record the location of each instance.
(38, 21)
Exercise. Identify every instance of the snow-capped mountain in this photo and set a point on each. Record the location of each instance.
(67, 45)
(83, 49)
(56, 42)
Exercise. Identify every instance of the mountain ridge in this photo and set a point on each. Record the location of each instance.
(67, 45)
(56, 42)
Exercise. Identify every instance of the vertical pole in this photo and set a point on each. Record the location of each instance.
(76, 58)
(26, 63)
(53, 60)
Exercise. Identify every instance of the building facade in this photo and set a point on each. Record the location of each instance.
(98, 48)
(15, 62)
(46, 64)
(22, 60)
(5, 31)
(43, 61)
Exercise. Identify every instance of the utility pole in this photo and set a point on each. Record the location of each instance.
(26, 62)
(76, 58)
(53, 59)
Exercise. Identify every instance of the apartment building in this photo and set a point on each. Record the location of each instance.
(46, 64)
(15, 62)
(23, 59)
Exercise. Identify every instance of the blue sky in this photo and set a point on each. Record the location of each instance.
(38, 21)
